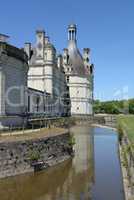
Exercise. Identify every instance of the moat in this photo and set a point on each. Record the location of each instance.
(93, 174)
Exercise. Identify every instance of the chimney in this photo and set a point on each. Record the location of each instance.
(27, 49)
(59, 61)
(47, 40)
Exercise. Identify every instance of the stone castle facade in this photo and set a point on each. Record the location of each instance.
(35, 80)
(79, 75)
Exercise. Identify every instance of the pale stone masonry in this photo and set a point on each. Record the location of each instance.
(13, 84)
(54, 74)
(35, 80)
(79, 75)
(46, 72)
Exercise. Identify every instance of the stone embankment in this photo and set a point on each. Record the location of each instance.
(127, 162)
(106, 120)
(126, 151)
(32, 152)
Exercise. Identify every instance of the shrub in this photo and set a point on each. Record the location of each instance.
(34, 155)
(71, 141)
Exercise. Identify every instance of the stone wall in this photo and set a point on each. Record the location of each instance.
(127, 158)
(106, 119)
(17, 157)
(13, 85)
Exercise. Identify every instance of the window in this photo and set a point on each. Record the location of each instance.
(37, 102)
(67, 59)
(28, 103)
(91, 69)
(67, 79)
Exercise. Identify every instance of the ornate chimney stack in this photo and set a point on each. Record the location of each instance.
(27, 49)
(86, 55)
(40, 43)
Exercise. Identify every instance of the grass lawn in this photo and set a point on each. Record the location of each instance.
(127, 124)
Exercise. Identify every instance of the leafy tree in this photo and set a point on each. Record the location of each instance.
(114, 107)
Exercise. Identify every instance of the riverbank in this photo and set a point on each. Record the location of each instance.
(124, 125)
(32, 152)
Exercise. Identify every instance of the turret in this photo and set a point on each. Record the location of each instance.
(40, 43)
(50, 61)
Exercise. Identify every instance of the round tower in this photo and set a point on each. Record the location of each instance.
(77, 75)
(50, 59)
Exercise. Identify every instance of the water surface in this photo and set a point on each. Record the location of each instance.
(93, 174)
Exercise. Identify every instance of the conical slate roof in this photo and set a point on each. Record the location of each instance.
(75, 59)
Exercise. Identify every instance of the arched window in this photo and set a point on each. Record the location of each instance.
(70, 35)
(91, 69)
(67, 59)
(37, 102)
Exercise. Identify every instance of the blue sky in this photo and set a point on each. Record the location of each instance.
(106, 26)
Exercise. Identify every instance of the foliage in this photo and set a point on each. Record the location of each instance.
(71, 141)
(126, 123)
(120, 132)
(34, 155)
(114, 107)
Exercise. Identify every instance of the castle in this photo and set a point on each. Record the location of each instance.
(35, 80)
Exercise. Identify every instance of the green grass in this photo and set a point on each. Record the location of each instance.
(127, 124)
